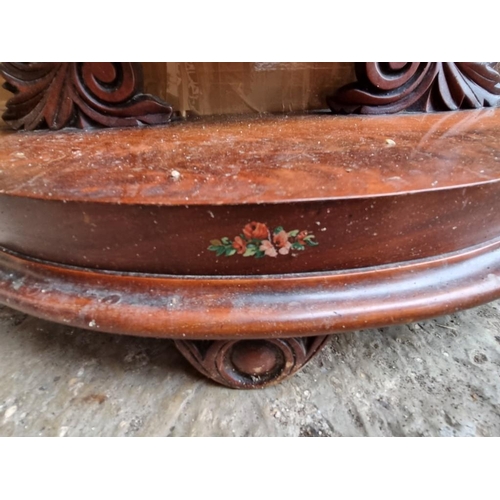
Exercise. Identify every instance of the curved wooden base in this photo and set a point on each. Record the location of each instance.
(250, 364)
(195, 308)
(214, 231)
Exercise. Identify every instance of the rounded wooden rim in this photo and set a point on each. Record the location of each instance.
(251, 307)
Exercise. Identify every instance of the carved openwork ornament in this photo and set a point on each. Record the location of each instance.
(391, 87)
(250, 364)
(57, 95)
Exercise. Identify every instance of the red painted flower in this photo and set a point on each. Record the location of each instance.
(301, 236)
(240, 245)
(256, 230)
(281, 241)
(267, 247)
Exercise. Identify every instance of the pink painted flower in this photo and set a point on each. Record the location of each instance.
(256, 230)
(240, 245)
(267, 247)
(281, 241)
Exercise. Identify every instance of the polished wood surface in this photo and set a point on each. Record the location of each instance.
(228, 161)
(372, 191)
(251, 307)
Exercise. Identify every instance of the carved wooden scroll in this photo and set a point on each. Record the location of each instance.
(391, 87)
(250, 364)
(57, 95)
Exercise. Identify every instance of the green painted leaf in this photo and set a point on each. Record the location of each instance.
(259, 254)
(216, 243)
(213, 248)
(230, 251)
(278, 230)
(225, 240)
(220, 251)
(312, 243)
(297, 246)
(293, 233)
(250, 251)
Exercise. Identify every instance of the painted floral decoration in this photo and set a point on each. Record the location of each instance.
(257, 241)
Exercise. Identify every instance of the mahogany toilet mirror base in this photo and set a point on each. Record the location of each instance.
(249, 239)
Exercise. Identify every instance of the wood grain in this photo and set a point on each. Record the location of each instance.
(251, 307)
(372, 190)
(252, 159)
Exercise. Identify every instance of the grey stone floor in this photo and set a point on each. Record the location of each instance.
(435, 378)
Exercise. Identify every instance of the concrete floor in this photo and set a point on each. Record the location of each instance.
(434, 378)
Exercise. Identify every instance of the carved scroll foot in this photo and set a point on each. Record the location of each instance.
(250, 364)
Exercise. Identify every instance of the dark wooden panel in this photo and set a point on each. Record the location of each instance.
(349, 233)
